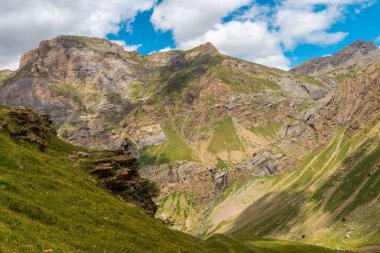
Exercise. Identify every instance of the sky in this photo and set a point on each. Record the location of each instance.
(277, 33)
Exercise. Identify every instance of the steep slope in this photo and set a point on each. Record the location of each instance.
(234, 146)
(358, 53)
(4, 74)
(95, 91)
(332, 197)
(187, 110)
(50, 203)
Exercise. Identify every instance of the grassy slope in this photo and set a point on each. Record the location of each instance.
(268, 132)
(174, 86)
(48, 202)
(222, 243)
(4, 74)
(174, 149)
(331, 199)
(225, 137)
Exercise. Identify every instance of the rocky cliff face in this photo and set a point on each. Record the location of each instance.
(352, 105)
(78, 81)
(116, 172)
(95, 91)
(350, 55)
(114, 169)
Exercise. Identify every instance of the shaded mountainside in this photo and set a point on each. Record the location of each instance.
(332, 197)
(49, 202)
(234, 147)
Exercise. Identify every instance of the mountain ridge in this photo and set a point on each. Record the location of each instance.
(359, 50)
(215, 132)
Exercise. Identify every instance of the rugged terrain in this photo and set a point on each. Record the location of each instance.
(358, 54)
(49, 202)
(234, 147)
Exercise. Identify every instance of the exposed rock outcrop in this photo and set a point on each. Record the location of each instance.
(116, 172)
(27, 126)
(349, 55)
(354, 104)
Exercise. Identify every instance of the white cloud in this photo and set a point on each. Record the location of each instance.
(125, 46)
(248, 40)
(192, 18)
(301, 24)
(261, 33)
(23, 24)
(165, 49)
(377, 39)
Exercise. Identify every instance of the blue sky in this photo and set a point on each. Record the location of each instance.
(363, 24)
(277, 33)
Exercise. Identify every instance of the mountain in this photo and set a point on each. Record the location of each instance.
(332, 196)
(50, 203)
(359, 52)
(93, 89)
(234, 147)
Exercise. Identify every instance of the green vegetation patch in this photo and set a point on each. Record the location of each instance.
(221, 243)
(290, 247)
(68, 91)
(4, 74)
(351, 181)
(174, 149)
(313, 81)
(267, 132)
(50, 203)
(225, 137)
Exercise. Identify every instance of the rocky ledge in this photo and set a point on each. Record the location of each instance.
(24, 125)
(116, 172)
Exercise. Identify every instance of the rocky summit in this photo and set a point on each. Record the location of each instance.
(350, 55)
(225, 146)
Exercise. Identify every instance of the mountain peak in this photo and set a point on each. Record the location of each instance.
(349, 55)
(207, 48)
(361, 46)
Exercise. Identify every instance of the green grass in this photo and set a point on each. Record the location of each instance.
(68, 91)
(48, 202)
(224, 137)
(174, 149)
(222, 243)
(4, 74)
(342, 180)
(313, 81)
(290, 247)
(267, 132)
(355, 176)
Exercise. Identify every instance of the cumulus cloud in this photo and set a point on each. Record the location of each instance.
(125, 46)
(23, 24)
(248, 40)
(253, 31)
(189, 19)
(301, 23)
(261, 33)
(165, 49)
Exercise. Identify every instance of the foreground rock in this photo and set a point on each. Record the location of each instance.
(115, 171)
(27, 126)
